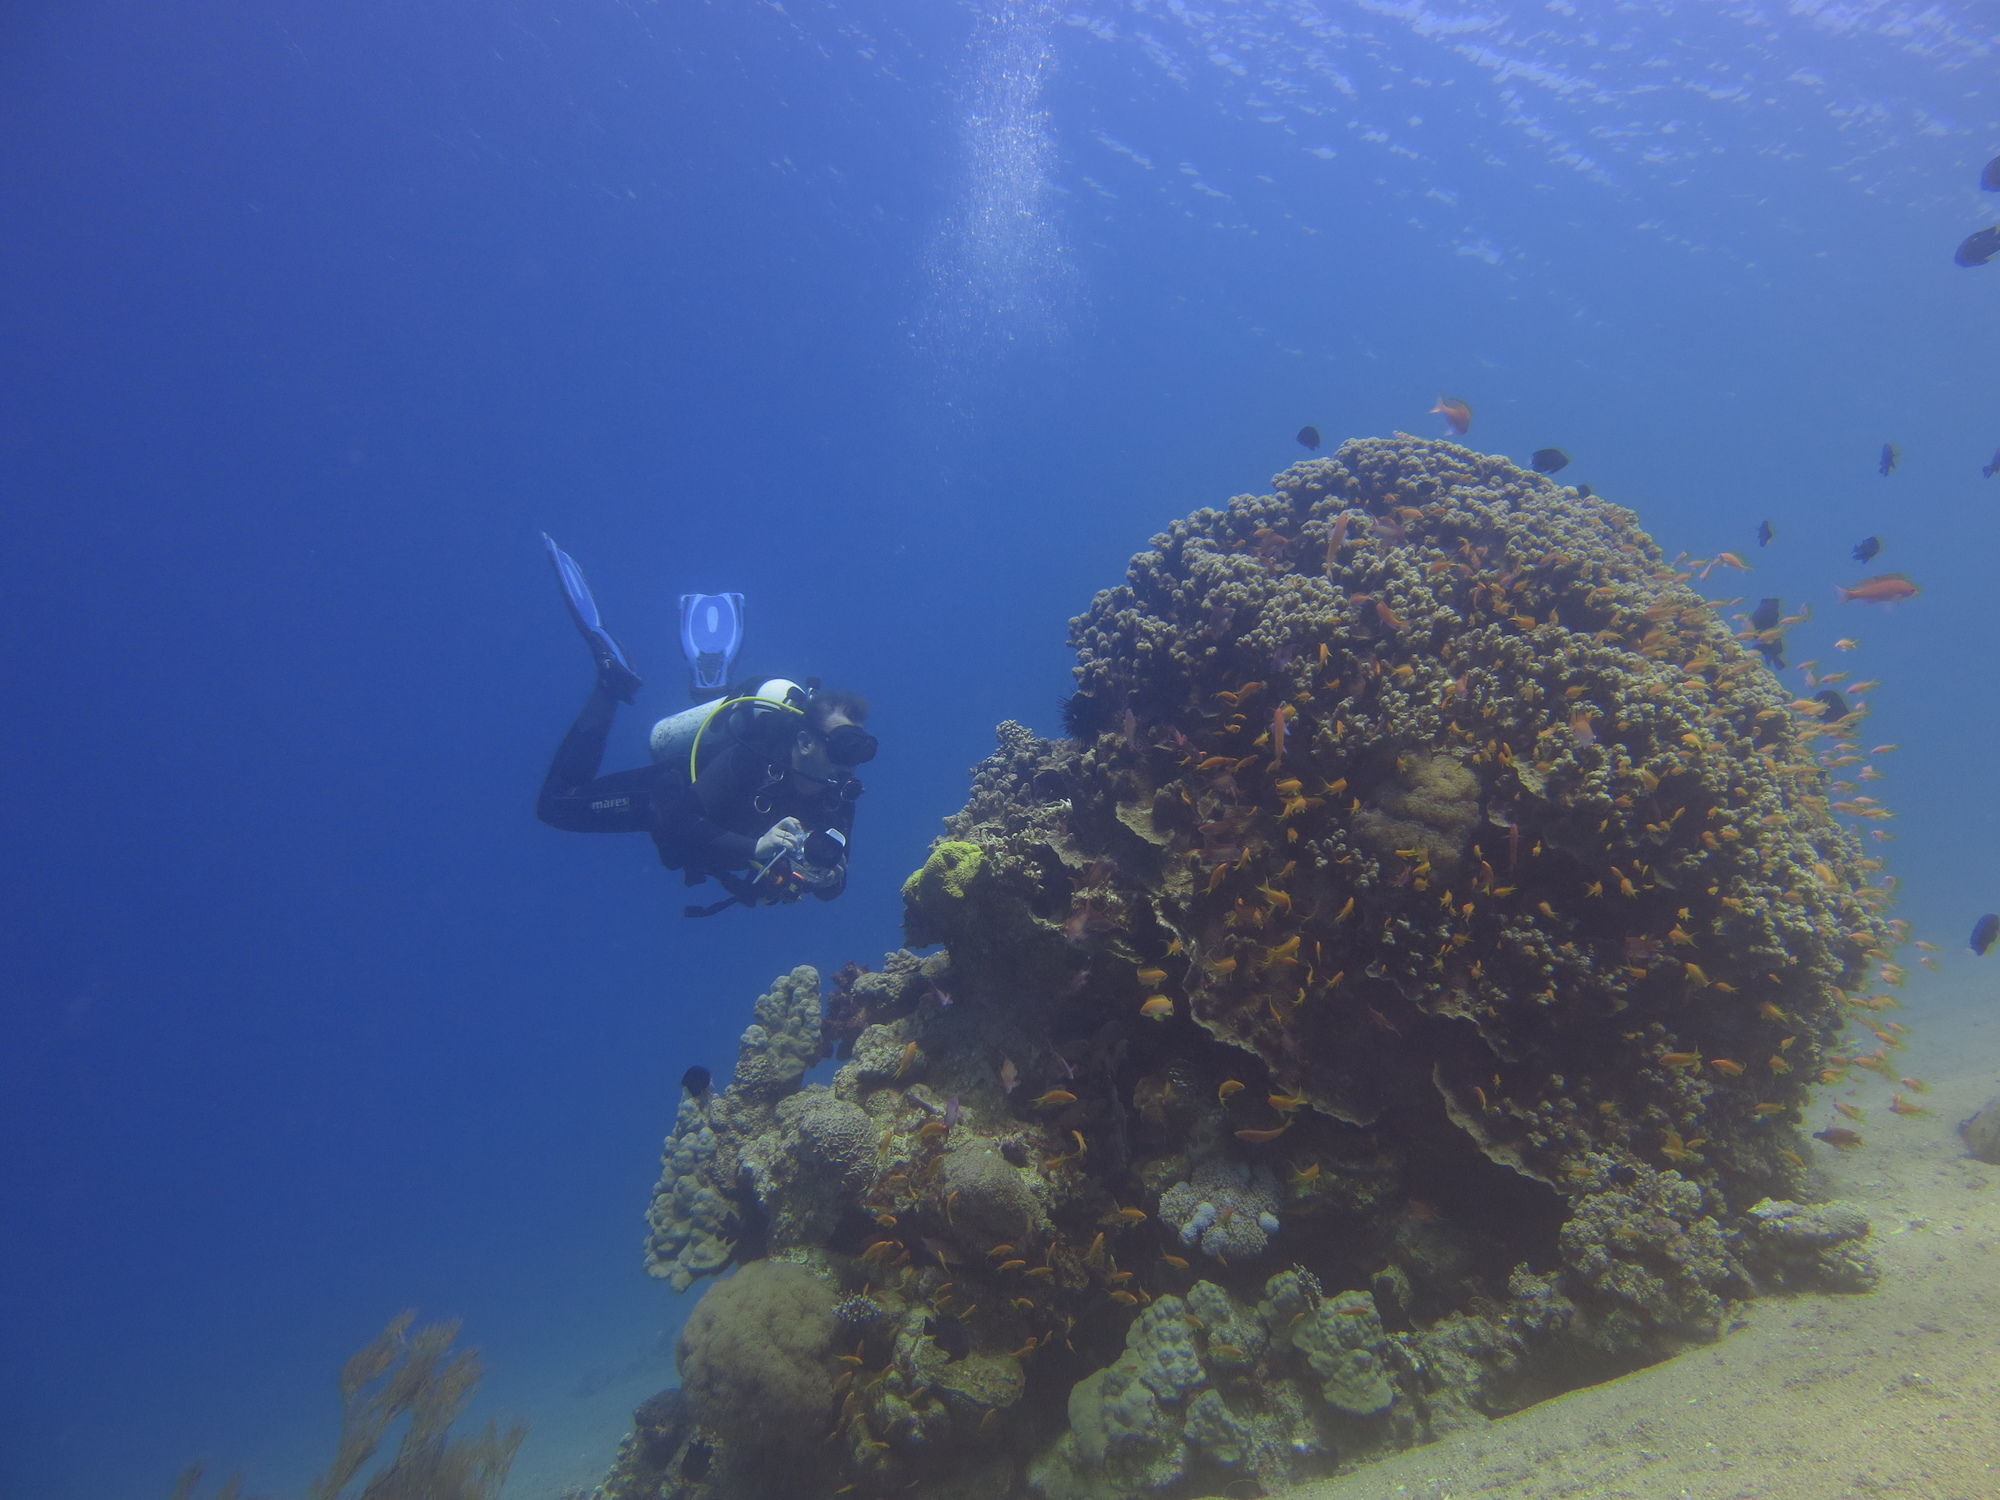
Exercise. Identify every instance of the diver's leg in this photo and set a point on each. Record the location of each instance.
(574, 797)
(614, 674)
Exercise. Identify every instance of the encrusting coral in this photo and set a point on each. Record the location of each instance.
(1394, 1002)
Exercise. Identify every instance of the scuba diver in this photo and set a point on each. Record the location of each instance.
(753, 787)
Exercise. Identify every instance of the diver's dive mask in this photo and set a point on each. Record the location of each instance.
(848, 745)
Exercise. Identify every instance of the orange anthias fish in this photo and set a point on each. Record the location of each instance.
(1883, 588)
(1457, 415)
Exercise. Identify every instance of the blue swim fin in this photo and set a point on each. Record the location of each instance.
(711, 635)
(614, 672)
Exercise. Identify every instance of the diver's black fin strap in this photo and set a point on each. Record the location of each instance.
(713, 907)
(741, 893)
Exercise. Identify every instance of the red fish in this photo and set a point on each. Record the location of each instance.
(1457, 415)
(1883, 588)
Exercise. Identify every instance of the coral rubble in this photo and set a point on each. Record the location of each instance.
(1981, 1133)
(1393, 1003)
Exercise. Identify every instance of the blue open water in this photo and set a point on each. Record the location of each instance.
(910, 319)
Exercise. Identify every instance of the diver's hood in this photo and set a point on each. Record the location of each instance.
(778, 690)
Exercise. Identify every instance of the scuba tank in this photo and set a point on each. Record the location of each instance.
(689, 740)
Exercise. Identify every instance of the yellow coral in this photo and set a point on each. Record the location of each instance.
(951, 867)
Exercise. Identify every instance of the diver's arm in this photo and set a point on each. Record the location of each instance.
(689, 830)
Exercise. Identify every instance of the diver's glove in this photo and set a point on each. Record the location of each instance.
(784, 837)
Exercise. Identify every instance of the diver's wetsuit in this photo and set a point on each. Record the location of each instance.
(708, 829)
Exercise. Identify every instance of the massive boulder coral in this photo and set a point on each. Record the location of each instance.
(755, 1370)
(1524, 803)
(1385, 1008)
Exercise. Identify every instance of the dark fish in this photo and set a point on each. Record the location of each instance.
(1764, 620)
(1765, 531)
(1309, 436)
(1584, 490)
(1984, 931)
(1993, 468)
(949, 1335)
(1989, 176)
(1836, 706)
(695, 1081)
(1866, 548)
(1548, 461)
(1979, 247)
(694, 1460)
(1890, 453)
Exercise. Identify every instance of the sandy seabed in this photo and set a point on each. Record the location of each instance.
(1892, 1393)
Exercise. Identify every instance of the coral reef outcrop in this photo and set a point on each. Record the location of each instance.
(1394, 1001)
(1814, 1247)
